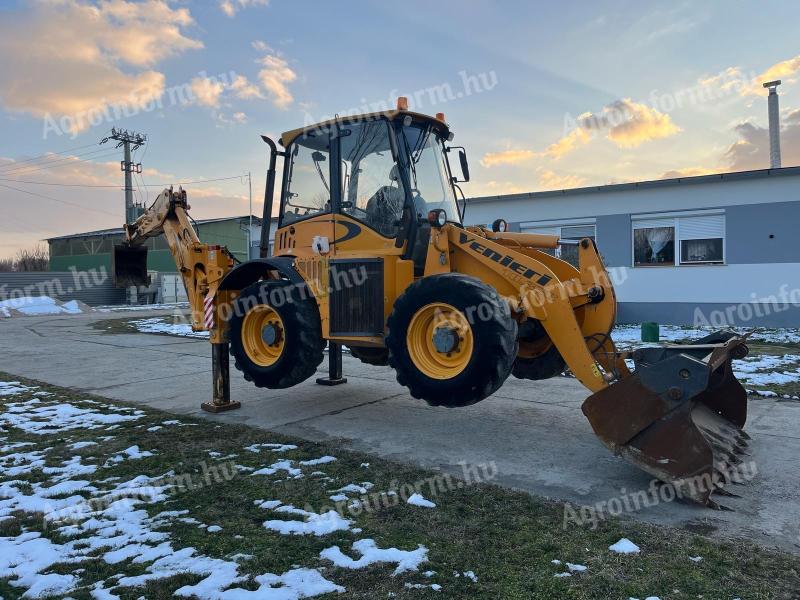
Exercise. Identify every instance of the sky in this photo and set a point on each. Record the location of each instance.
(543, 95)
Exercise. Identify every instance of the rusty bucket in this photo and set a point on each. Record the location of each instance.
(679, 416)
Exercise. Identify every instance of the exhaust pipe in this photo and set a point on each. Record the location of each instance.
(773, 111)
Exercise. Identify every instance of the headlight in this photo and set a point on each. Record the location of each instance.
(500, 226)
(437, 218)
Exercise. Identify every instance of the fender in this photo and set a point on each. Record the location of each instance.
(252, 270)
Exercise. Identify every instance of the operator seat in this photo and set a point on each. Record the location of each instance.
(385, 206)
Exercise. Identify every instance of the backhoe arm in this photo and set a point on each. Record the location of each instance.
(202, 266)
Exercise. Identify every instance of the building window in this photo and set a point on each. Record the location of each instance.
(679, 241)
(702, 239)
(654, 245)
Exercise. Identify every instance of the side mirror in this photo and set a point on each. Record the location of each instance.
(462, 157)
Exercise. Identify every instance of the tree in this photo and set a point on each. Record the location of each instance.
(32, 259)
(6, 265)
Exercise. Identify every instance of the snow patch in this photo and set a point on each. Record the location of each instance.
(407, 560)
(419, 500)
(624, 546)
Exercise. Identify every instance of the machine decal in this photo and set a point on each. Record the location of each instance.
(353, 229)
(504, 261)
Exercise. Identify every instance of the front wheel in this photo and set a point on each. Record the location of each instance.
(276, 335)
(451, 340)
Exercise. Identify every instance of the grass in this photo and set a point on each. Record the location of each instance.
(507, 538)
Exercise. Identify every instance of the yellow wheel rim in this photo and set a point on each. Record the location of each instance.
(440, 341)
(263, 335)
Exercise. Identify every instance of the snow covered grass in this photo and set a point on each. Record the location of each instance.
(182, 514)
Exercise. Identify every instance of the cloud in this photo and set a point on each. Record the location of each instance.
(784, 70)
(206, 91)
(733, 79)
(231, 7)
(630, 124)
(568, 143)
(275, 77)
(71, 57)
(751, 150)
(687, 172)
(549, 180)
(507, 157)
(245, 90)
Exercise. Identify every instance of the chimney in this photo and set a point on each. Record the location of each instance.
(774, 124)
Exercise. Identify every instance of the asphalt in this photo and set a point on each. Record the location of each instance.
(532, 433)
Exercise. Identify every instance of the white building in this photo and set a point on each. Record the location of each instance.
(719, 249)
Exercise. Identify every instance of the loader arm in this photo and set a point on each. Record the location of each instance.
(678, 416)
(573, 305)
(201, 266)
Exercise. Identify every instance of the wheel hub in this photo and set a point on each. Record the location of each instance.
(271, 334)
(445, 340)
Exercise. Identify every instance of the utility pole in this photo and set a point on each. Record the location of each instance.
(125, 139)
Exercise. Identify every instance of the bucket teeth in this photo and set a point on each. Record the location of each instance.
(723, 492)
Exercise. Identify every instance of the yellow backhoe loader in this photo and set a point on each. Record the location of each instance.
(370, 252)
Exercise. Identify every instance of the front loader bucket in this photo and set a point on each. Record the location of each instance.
(129, 265)
(679, 416)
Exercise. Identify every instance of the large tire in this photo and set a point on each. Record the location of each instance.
(545, 366)
(378, 357)
(485, 345)
(298, 347)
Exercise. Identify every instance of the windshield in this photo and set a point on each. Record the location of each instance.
(430, 184)
(307, 189)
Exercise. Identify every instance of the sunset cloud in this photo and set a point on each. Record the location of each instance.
(574, 139)
(88, 56)
(549, 180)
(630, 124)
(687, 172)
(275, 77)
(751, 150)
(507, 157)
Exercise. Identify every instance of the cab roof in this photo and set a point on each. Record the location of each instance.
(441, 127)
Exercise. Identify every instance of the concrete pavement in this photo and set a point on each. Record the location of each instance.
(533, 431)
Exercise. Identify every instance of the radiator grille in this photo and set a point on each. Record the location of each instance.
(356, 297)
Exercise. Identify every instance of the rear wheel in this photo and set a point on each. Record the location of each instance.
(378, 357)
(276, 335)
(538, 357)
(451, 340)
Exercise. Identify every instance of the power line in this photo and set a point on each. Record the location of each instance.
(49, 154)
(97, 210)
(146, 185)
(17, 167)
(65, 162)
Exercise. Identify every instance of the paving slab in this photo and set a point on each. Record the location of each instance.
(533, 433)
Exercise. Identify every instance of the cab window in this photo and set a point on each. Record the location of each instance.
(308, 179)
(372, 191)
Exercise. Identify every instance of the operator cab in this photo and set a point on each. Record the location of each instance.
(387, 171)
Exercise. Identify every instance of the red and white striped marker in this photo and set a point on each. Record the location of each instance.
(208, 307)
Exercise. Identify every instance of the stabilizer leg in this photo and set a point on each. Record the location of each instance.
(220, 369)
(334, 366)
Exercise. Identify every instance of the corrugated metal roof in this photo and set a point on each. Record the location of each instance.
(118, 230)
(643, 185)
